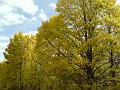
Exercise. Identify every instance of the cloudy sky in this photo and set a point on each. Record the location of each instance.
(22, 15)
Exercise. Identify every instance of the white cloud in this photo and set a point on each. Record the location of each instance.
(33, 18)
(42, 15)
(1, 51)
(27, 6)
(4, 22)
(14, 18)
(5, 9)
(4, 38)
(3, 45)
(8, 17)
(1, 30)
(52, 6)
(118, 2)
(31, 33)
(1, 54)
(2, 59)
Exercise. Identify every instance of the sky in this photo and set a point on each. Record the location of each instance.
(23, 16)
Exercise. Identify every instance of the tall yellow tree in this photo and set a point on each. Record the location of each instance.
(97, 22)
(16, 55)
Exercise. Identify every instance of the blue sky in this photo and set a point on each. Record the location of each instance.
(22, 15)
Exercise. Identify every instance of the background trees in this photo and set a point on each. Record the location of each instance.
(78, 49)
(17, 54)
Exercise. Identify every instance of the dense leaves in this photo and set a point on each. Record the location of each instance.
(78, 49)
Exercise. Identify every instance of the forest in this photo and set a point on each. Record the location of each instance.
(77, 49)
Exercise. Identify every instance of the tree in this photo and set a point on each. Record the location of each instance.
(16, 56)
(3, 75)
(78, 49)
(111, 25)
(88, 17)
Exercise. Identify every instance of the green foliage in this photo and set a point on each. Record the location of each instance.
(78, 49)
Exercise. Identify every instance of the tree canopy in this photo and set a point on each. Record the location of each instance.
(78, 49)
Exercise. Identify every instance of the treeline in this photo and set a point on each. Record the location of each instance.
(78, 49)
